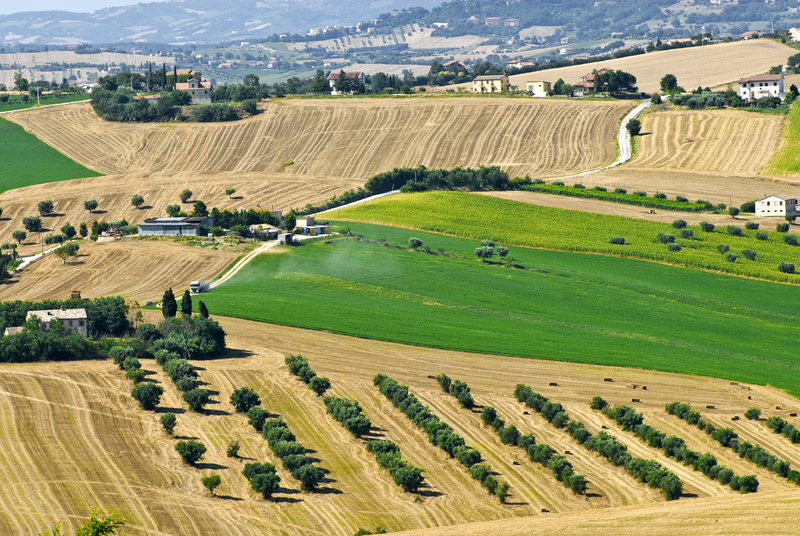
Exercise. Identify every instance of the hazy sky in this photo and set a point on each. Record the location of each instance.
(80, 6)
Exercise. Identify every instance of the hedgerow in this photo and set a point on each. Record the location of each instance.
(607, 445)
(387, 453)
(618, 197)
(292, 454)
(779, 426)
(674, 446)
(298, 365)
(439, 433)
(730, 439)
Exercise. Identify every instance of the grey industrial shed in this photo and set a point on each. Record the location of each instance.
(174, 226)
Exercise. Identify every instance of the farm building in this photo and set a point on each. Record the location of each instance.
(357, 77)
(760, 86)
(538, 89)
(71, 319)
(520, 63)
(189, 226)
(309, 226)
(497, 83)
(200, 90)
(776, 205)
(455, 67)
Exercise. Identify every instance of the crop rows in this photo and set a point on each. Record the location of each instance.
(540, 453)
(606, 445)
(675, 447)
(637, 199)
(475, 216)
(439, 433)
(730, 439)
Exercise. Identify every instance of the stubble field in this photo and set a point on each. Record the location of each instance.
(74, 438)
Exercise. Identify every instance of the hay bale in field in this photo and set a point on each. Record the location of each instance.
(525, 413)
(777, 407)
(607, 380)
(635, 400)
(736, 418)
(604, 427)
(749, 398)
(514, 463)
(553, 384)
(734, 383)
(545, 511)
(431, 377)
(793, 415)
(567, 452)
(644, 388)
(711, 407)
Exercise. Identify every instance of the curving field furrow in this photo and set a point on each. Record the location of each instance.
(726, 142)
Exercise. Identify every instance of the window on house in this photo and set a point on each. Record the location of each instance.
(80, 323)
(767, 203)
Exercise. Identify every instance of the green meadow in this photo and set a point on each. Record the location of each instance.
(26, 160)
(562, 306)
(787, 159)
(511, 222)
(46, 100)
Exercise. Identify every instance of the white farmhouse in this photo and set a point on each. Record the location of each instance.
(776, 205)
(760, 86)
(71, 319)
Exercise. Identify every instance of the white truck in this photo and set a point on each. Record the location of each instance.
(196, 287)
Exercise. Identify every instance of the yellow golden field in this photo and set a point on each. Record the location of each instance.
(74, 438)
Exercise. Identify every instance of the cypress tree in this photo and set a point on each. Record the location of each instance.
(186, 304)
(168, 305)
(203, 309)
(164, 76)
(175, 78)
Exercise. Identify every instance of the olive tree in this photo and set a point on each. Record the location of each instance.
(148, 395)
(186, 195)
(19, 235)
(190, 451)
(91, 205)
(197, 399)
(230, 191)
(168, 421)
(244, 399)
(211, 482)
(137, 200)
(45, 207)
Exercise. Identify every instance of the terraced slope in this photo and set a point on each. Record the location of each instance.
(74, 438)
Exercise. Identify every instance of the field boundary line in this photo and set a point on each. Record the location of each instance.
(370, 198)
(45, 106)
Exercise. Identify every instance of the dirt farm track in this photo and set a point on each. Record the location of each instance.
(73, 438)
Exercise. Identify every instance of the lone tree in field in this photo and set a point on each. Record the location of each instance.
(168, 421)
(233, 449)
(169, 307)
(68, 230)
(83, 230)
(67, 250)
(669, 83)
(34, 225)
(173, 210)
(230, 191)
(45, 207)
(137, 200)
(414, 243)
(484, 252)
(186, 195)
(186, 304)
(147, 395)
(634, 126)
(243, 399)
(19, 235)
(753, 414)
(190, 451)
(211, 482)
(91, 206)
(733, 211)
(202, 309)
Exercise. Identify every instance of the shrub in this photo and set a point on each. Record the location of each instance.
(782, 227)
(723, 248)
(679, 224)
(733, 230)
(243, 399)
(730, 257)
(790, 239)
(414, 243)
(309, 476)
(733, 211)
(168, 421)
(600, 189)
(598, 403)
(620, 191)
(579, 186)
(557, 183)
(749, 206)
(681, 199)
(665, 238)
(444, 382)
(233, 449)
(257, 417)
(187, 383)
(190, 451)
(501, 492)
(319, 385)
(617, 240)
(147, 395)
(751, 225)
(131, 363)
(266, 484)
(196, 398)
(136, 375)
(749, 254)
(509, 436)
(707, 227)
(641, 193)
(753, 414)
(674, 248)
(687, 234)
(786, 267)
(762, 236)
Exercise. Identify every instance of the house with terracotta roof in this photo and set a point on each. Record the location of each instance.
(748, 35)
(520, 63)
(776, 205)
(355, 78)
(197, 88)
(497, 83)
(587, 80)
(455, 67)
(760, 86)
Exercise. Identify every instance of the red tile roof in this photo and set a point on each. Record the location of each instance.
(335, 76)
(761, 78)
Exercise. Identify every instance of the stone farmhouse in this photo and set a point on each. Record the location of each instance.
(199, 89)
(73, 320)
(776, 205)
(760, 86)
(496, 83)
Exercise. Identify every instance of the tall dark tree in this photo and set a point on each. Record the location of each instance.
(163, 77)
(186, 304)
(169, 307)
(175, 77)
(203, 309)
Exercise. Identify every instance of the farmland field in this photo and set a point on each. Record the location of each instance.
(46, 101)
(162, 496)
(567, 307)
(787, 160)
(26, 160)
(698, 66)
(476, 216)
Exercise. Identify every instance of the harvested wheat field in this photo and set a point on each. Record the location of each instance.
(718, 142)
(74, 438)
(707, 66)
(138, 269)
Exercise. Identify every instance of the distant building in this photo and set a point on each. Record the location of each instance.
(315, 31)
(511, 22)
(748, 35)
(776, 205)
(455, 67)
(671, 42)
(187, 226)
(497, 83)
(358, 77)
(760, 86)
(492, 21)
(587, 80)
(73, 320)
(309, 226)
(440, 24)
(474, 20)
(200, 90)
(539, 89)
(520, 63)
(565, 40)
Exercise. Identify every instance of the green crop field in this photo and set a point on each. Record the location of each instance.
(46, 100)
(563, 306)
(26, 160)
(512, 222)
(787, 159)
